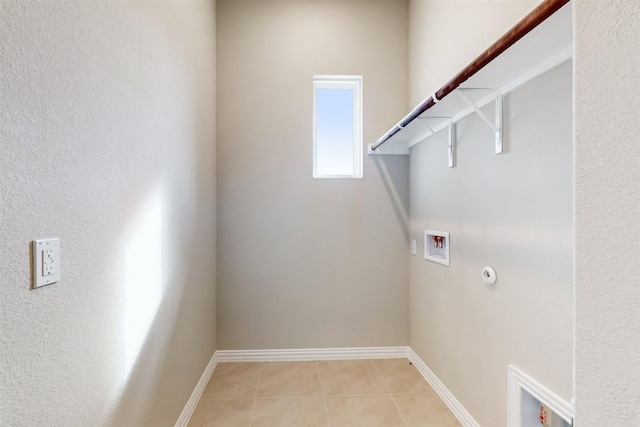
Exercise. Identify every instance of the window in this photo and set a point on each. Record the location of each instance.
(337, 126)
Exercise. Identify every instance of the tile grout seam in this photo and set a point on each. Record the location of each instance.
(255, 396)
(324, 400)
(390, 395)
(214, 399)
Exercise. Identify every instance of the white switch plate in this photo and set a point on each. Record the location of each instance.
(414, 247)
(45, 259)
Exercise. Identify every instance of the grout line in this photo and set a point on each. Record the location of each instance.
(288, 397)
(390, 395)
(426, 393)
(255, 396)
(324, 400)
(212, 399)
(360, 395)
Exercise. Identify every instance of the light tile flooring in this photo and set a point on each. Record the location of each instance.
(349, 393)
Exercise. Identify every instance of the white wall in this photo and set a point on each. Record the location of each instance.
(607, 174)
(308, 262)
(107, 142)
(446, 35)
(513, 211)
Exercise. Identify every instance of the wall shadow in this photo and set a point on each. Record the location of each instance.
(394, 173)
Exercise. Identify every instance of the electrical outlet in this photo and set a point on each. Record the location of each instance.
(45, 259)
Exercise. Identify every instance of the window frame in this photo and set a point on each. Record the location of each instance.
(353, 82)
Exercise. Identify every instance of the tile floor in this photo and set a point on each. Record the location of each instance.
(349, 393)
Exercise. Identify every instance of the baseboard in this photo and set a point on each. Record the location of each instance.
(187, 412)
(449, 399)
(305, 354)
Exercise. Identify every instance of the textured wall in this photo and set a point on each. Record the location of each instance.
(308, 262)
(513, 212)
(108, 142)
(607, 171)
(446, 35)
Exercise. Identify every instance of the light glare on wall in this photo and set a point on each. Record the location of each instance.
(143, 279)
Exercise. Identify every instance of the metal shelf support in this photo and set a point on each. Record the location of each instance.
(450, 142)
(496, 125)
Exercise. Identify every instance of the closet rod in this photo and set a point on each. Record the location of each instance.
(522, 28)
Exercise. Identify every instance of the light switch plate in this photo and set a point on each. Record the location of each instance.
(414, 247)
(45, 259)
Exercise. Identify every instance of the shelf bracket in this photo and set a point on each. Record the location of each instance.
(450, 142)
(496, 125)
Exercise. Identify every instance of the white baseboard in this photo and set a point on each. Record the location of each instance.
(449, 399)
(305, 354)
(187, 412)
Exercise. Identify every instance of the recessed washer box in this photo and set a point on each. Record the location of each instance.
(436, 246)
